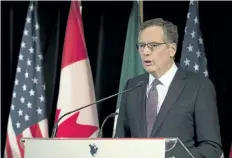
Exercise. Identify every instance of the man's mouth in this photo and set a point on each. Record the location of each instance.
(147, 62)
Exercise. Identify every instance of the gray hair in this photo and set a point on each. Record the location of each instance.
(170, 30)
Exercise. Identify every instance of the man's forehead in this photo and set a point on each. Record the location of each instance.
(151, 34)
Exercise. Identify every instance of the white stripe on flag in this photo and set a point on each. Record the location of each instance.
(5, 154)
(13, 141)
(27, 133)
(43, 128)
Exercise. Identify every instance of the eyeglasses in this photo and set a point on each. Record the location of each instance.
(151, 46)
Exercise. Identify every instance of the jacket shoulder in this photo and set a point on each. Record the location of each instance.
(195, 77)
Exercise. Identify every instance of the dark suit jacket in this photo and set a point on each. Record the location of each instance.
(188, 112)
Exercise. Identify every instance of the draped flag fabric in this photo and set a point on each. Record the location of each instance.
(193, 56)
(28, 117)
(131, 65)
(76, 83)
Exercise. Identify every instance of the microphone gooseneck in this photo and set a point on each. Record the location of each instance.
(100, 133)
(54, 131)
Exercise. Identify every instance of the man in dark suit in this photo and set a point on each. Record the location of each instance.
(171, 102)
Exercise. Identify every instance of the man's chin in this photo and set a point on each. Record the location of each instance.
(150, 69)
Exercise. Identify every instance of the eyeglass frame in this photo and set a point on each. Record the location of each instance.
(150, 47)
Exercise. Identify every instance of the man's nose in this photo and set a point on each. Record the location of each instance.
(146, 50)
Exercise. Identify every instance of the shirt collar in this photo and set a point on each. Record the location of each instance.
(166, 79)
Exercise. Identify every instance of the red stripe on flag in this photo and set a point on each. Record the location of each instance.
(35, 131)
(231, 151)
(19, 137)
(74, 38)
(8, 148)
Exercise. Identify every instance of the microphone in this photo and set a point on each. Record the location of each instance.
(100, 133)
(54, 131)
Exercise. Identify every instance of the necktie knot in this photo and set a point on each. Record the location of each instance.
(155, 83)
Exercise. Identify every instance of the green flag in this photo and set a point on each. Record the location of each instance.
(131, 65)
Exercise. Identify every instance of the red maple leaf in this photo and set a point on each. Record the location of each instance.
(69, 127)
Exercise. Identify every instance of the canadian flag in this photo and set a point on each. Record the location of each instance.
(76, 83)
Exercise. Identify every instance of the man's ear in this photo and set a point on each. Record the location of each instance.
(172, 48)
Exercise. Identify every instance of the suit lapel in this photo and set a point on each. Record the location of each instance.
(141, 101)
(173, 93)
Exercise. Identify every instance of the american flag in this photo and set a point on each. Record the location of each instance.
(193, 53)
(27, 116)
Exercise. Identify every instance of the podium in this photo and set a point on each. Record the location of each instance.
(104, 148)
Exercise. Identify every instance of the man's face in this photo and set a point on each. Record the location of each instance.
(155, 56)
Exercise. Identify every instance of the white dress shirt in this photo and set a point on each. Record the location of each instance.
(162, 89)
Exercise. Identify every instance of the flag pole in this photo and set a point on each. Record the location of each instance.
(141, 11)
